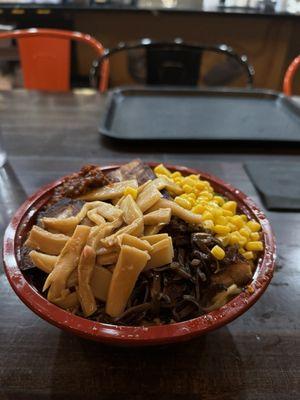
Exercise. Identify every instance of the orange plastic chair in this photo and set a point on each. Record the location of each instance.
(289, 76)
(45, 57)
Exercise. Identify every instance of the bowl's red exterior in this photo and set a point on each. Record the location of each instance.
(126, 335)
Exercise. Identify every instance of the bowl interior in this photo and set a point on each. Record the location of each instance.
(28, 283)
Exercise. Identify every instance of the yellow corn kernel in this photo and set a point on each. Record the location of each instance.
(254, 226)
(254, 236)
(192, 195)
(234, 238)
(200, 185)
(187, 188)
(230, 205)
(203, 208)
(130, 190)
(213, 204)
(221, 229)
(188, 181)
(178, 180)
(202, 198)
(194, 177)
(245, 231)
(209, 207)
(184, 196)
(210, 189)
(199, 200)
(242, 239)
(192, 201)
(227, 213)
(207, 195)
(255, 246)
(244, 217)
(207, 185)
(218, 252)
(207, 215)
(198, 209)
(237, 221)
(183, 203)
(231, 226)
(242, 251)
(161, 169)
(176, 174)
(216, 211)
(208, 224)
(220, 220)
(219, 200)
(223, 239)
(248, 255)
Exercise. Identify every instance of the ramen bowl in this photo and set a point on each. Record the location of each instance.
(28, 290)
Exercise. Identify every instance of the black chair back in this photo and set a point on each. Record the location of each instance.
(178, 63)
(172, 65)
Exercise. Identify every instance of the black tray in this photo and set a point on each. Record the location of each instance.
(156, 113)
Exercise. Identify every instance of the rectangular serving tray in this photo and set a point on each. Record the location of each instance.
(183, 114)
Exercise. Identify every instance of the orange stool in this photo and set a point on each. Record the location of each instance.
(289, 75)
(45, 57)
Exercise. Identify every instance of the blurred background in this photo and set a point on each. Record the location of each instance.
(267, 31)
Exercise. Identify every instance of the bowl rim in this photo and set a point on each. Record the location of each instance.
(130, 335)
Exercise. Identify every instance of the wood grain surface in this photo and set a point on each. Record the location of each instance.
(255, 357)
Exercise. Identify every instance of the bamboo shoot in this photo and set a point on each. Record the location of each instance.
(178, 211)
(46, 242)
(100, 282)
(66, 262)
(148, 197)
(85, 272)
(130, 263)
(162, 254)
(131, 211)
(110, 191)
(134, 229)
(160, 216)
(44, 262)
(152, 239)
(133, 241)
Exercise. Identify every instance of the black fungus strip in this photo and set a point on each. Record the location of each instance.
(133, 313)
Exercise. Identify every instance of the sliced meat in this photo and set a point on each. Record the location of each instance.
(25, 260)
(64, 208)
(135, 169)
(138, 170)
(239, 273)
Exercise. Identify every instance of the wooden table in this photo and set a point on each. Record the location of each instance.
(254, 357)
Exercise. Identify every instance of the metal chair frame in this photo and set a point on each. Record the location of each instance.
(176, 45)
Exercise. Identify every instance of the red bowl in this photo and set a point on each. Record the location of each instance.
(127, 335)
